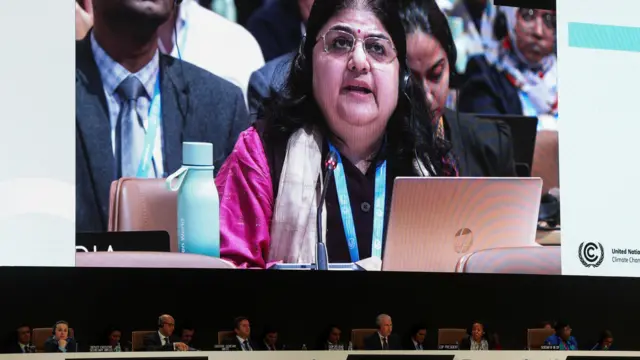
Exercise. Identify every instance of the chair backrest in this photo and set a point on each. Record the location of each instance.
(450, 336)
(358, 336)
(133, 259)
(137, 339)
(226, 334)
(40, 335)
(546, 163)
(143, 205)
(535, 260)
(536, 337)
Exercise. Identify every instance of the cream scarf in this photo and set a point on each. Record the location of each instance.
(293, 226)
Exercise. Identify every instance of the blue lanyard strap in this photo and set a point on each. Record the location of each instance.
(347, 216)
(153, 122)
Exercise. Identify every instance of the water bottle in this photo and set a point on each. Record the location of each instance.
(350, 348)
(304, 346)
(226, 8)
(198, 202)
(118, 348)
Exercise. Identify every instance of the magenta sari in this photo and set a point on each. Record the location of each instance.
(246, 203)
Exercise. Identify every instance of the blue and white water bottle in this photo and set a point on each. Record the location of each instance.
(198, 201)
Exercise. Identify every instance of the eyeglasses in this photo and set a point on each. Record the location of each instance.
(529, 15)
(340, 43)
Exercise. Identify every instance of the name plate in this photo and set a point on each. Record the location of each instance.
(100, 348)
(156, 241)
(550, 347)
(449, 347)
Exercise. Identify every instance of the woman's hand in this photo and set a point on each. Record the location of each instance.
(84, 19)
(62, 343)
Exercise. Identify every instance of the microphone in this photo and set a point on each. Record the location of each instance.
(322, 257)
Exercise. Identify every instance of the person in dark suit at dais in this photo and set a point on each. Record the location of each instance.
(383, 339)
(241, 341)
(131, 100)
(163, 339)
(60, 340)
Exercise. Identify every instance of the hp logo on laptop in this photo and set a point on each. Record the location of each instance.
(463, 240)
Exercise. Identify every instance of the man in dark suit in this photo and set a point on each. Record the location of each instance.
(415, 340)
(241, 341)
(163, 339)
(270, 339)
(279, 25)
(267, 81)
(133, 101)
(383, 339)
(21, 344)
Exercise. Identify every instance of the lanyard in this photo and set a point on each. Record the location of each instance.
(154, 120)
(566, 345)
(347, 215)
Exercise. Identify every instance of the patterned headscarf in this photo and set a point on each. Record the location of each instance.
(537, 83)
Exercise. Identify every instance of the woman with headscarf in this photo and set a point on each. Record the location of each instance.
(483, 148)
(520, 76)
(350, 92)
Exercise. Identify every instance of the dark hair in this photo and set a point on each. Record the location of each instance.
(269, 329)
(545, 323)
(416, 328)
(560, 325)
(604, 336)
(323, 336)
(485, 334)
(425, 16)
(410, 127)
(238, 320)
(60, 322)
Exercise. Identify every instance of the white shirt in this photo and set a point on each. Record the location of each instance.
(241, 340)
(415, 345)
(382, 339)
(216, 44)
(163, 340)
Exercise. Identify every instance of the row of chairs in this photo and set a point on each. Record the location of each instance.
(535, 337)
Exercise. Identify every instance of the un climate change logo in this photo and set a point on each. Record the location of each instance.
(591, 254)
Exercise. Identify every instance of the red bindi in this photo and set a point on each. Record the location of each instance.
(358, 31)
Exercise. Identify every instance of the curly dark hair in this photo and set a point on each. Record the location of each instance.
(409, 132)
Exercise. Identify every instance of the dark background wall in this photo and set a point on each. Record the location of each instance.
(302, 303)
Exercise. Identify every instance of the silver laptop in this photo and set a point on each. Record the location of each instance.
(433, 222)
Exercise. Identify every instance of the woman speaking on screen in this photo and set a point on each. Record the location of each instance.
(349, 90)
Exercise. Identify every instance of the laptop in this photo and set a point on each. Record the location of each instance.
(523, 136)
(433, 222)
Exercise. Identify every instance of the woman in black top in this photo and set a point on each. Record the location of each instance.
(482, 148)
